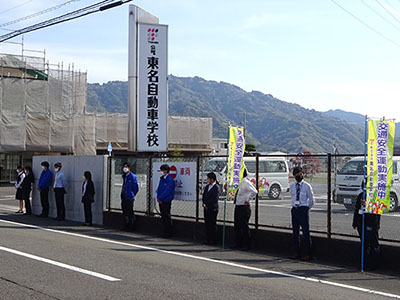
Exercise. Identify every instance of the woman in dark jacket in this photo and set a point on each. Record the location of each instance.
(210, 205)
(19, 195)
(88, 197)
(27, 188)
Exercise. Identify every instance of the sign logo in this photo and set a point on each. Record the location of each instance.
(152, 35)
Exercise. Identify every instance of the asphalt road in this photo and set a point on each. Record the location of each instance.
(45, 259)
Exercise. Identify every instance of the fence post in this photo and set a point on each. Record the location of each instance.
(149, 188)
(197, 187)
(329, 208)
(256, 208)
(109, 179)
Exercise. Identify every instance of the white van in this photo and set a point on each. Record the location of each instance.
(273, 173)
(349, 183)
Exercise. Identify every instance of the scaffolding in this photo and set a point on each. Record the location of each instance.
(42, 107)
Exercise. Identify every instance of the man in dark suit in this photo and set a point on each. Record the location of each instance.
(210, 205)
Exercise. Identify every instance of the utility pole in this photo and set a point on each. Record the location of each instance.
(244, 124)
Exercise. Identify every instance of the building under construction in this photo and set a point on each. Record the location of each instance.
(43, 110)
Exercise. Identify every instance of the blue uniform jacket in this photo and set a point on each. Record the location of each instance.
(166, 189)
(45, 179)
(131, 186)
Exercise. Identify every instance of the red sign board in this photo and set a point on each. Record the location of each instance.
(172, 172)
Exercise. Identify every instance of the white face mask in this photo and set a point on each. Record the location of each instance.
(56, 169)
(43, 167)
(126, 170)
(83, 177)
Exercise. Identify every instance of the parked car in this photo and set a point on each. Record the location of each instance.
(349, 181)
(273, 173)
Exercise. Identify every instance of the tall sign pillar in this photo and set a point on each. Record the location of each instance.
(147, 82)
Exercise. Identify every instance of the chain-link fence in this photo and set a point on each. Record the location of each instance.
(335, 179)
(140, 167)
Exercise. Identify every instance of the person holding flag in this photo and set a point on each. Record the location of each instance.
(371, 226)
(378, 169)
(244, 195)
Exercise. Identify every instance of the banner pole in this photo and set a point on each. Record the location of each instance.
(226, 197)
(364, 194)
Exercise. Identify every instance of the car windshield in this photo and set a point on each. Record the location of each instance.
(354, 167)
(214, 166)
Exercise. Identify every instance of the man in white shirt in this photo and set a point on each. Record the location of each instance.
(59, 191)
(243, 196)
(302, 202)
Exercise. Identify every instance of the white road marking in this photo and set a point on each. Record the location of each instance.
(59, 264)
(8, 208)
(9, 199)
(221, 262)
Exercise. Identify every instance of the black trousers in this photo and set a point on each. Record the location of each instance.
(129, 215)
(27, 201)
(372, 248)
(165, 210)
(241, 225)
(87, 207)
(44, 200)
(59, 195)
(300, 218)
(210, 221)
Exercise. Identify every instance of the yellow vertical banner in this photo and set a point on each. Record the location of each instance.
(379, 165)
(235, 160)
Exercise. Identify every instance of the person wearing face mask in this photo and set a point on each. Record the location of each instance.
(27, 188)
(45, 182)
(88, 197)
(302, 201)
(165, 195)
(19, 195)
(242, 213)
(129, 191)
(59, 191)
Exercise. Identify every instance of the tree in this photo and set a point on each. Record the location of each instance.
(250, 148)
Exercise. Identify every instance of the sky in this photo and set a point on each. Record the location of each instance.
(320, 54)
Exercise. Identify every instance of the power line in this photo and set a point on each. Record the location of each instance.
(396, 9)
(394, 17)
(7, 10)
(100, 6)
(394, 25)
(365, 24)
(38, 13)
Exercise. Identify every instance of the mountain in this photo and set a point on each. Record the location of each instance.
(349, 117)
(354, 118)
(271, 124)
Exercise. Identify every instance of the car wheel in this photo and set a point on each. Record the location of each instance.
(274, 192)
(394, 204)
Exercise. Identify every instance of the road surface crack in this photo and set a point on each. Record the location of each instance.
(27, 287)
